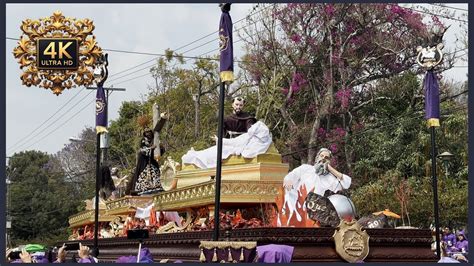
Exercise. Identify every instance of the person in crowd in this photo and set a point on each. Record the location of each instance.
(449, 238)
(84, 255)
(444, 255)
(462, 244)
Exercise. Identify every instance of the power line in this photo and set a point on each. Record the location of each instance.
(65, 122)
(41, 131)
(125, 70)
(123, 51)
(160, 55)
(202, 38)
(438, 15)
(149, 73)
(195, 57)
(60, 108)
(451, 7)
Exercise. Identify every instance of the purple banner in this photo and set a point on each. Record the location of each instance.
(226, 48)
(100, 111)
(431, 86)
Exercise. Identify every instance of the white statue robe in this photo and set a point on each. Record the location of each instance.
(256, 141)
(306, 175)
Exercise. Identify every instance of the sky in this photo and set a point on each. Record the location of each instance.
(36, 119)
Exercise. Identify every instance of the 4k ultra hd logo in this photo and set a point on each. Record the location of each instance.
(57, 53)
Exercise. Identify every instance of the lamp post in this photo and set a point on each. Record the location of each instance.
(428, 58)
(445, 158)
(9, 217)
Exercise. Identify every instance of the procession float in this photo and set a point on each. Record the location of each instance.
(180, 219)
(264, 210)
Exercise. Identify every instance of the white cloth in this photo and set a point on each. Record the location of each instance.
(171, 216)
(144, 213)
(256, 141)
(306, 175)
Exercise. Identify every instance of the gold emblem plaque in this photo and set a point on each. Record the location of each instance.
(57, 52)
(352, 244)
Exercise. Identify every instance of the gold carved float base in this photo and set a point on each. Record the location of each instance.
(265, 167)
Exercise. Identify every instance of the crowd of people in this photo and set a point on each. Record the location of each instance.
(266, 254)
(82, 255)
(454, 246)
(40, 254)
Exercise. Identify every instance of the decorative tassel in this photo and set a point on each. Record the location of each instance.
(202, 258)
(214, 258)
(241, 254)
(230, 259)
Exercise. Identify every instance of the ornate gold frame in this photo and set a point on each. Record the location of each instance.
(57, 26)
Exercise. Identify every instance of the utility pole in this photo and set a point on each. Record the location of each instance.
(104, 137)
(100, 76)
(9, 216)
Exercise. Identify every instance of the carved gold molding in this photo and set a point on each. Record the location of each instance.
(113, 208)
(232, 191)
(87, 217)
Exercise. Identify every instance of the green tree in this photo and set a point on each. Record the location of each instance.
(395, 147)
(41, 198)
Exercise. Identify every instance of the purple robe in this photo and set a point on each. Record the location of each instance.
(450, 240)
(461, 244)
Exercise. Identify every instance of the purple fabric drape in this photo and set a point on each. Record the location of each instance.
(431, 87)
(226, 47)
(275, 253)
(100, 110)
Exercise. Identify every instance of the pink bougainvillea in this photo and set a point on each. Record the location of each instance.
(296, 38)
(321, 132)
(340, 132)
(298, 82)
(329, 9)
(343, 96)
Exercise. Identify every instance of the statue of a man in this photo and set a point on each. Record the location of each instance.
(239, 121)
(317, 178)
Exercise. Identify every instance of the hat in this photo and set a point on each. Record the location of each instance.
(461, 233)
(31, 248)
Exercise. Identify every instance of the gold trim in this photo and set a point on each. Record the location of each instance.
(227, 76)
(241, 172)
(87, 217)
(100, 129)
(227, 244)
(113, 208)
(432, 122)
